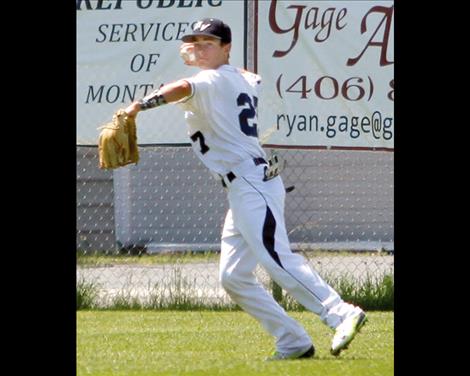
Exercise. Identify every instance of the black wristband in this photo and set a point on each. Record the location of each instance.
(151, 101)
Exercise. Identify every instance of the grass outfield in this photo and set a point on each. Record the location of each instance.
(172, 343)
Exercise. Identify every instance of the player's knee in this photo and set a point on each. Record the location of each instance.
(227, 280)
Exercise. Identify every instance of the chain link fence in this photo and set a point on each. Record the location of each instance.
(136, 225)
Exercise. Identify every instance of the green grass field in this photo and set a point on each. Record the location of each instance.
(146, 343)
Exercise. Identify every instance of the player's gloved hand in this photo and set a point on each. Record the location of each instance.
(117, 142)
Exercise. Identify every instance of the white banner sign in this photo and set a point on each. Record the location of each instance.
(327, 69)
(126, 49)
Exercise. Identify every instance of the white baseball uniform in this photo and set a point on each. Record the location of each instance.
(222, 121)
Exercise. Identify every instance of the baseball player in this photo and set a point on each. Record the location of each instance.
(220, 104)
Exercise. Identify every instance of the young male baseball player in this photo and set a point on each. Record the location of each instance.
(220, 105)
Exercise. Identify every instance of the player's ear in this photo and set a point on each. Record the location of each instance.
(227, 47)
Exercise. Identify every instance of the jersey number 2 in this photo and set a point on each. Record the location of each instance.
(247, 114)
(243, 117)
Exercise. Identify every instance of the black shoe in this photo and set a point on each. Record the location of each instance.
(295, 355)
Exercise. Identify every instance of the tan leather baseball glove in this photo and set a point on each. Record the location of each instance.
(117, 142)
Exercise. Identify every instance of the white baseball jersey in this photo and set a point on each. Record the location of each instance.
(222, 118)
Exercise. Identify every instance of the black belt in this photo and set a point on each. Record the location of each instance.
(231, 176)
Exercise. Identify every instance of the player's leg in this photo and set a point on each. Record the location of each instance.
(344, 318)
(258, 210)
(237, 264)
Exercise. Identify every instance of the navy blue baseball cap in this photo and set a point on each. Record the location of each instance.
(211, 27)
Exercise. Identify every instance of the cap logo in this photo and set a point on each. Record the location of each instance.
(199, 26)
(204, 27)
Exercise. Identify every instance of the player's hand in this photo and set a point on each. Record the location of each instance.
(188, 54)
(133, 109)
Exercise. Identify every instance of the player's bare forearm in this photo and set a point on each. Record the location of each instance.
(133, 109)
(172, 92)
(175, 91)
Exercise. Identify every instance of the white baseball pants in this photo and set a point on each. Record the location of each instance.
(255, 233)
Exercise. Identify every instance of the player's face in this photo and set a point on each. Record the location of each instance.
(210, 54)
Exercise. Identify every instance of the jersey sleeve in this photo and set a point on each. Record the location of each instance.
(200, 85)
(252, 78)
